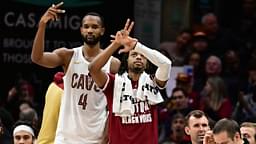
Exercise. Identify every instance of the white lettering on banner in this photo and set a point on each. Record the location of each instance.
(16, 19)
(12, 19)
(19, 43)
(16, 58)
(72, 22)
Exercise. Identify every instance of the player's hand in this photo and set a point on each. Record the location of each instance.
(208, 138)
(122, 37)
(52, 13)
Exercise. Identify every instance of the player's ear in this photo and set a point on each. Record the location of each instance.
(237, 136)
(187, 131)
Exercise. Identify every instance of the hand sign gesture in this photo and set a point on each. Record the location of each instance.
(52, 13)
(122, 37)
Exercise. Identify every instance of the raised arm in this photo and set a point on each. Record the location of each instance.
(101, 59)
(38, 56)
(162, 62)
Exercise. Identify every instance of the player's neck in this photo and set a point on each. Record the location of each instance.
(97, 45)
(134, 76)
(91, 52)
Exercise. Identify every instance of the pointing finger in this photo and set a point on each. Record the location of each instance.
(127, 24)
(59, 4)
(130, 27)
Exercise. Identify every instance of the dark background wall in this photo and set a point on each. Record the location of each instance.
(19, 19)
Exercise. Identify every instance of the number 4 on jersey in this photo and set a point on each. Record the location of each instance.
(83, 101)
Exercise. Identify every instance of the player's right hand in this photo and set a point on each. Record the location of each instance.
(52, 13)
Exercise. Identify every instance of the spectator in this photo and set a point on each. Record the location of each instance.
(214, 99)
(31, 116)
(19, 93)
(197, 124)
(213, 67)
(199, 43)
(227, 131)
(248, 131)
(232, 74)
(177, 50)
(178, 103)
(23, 133)
(219, 39)
(176, 133)
(5, 137)
(247, 110)
(185, 82)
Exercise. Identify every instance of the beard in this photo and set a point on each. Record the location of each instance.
(137, 70)
(91, 41)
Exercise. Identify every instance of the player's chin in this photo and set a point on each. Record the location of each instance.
(139, 67)
(200, 137)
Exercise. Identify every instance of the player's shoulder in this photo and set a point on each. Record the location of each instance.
(115, 65)
(65, 51)
(115, 60)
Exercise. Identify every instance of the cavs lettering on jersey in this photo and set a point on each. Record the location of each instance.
(83, 111)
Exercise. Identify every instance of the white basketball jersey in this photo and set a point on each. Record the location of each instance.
(83, 110)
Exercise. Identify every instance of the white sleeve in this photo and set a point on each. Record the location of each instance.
(162, 62)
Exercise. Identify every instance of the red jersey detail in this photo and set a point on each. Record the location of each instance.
(58, 79)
